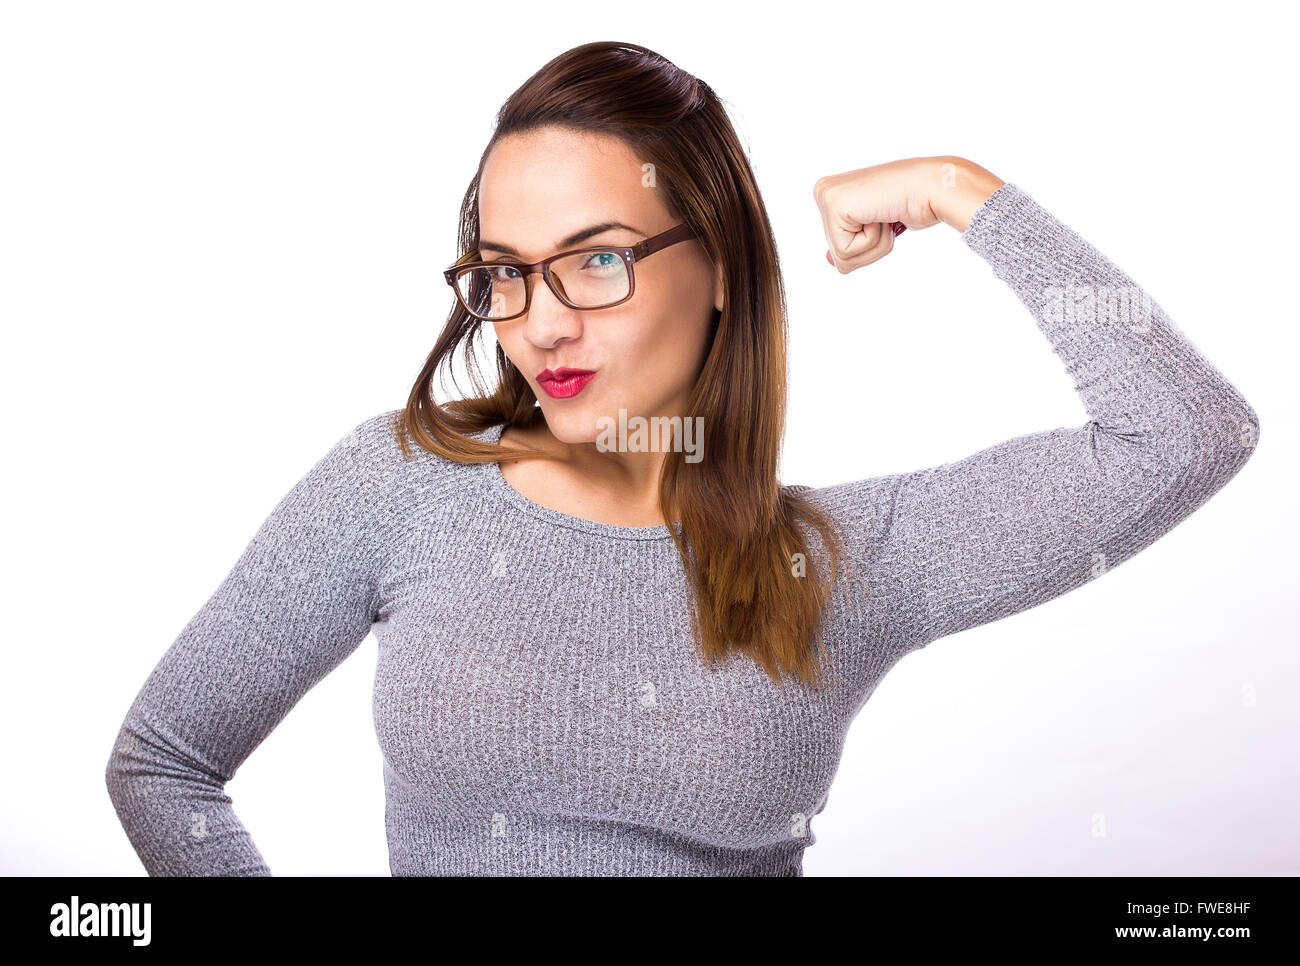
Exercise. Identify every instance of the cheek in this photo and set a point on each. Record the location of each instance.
(668, 322)
(662, 356)
(513, 346)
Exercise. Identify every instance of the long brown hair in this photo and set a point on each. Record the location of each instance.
(756, 585)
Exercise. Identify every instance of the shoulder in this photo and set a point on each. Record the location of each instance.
(372, 450)
(365, 485)
(868, 499)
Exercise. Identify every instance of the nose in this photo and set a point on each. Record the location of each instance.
(548, 320)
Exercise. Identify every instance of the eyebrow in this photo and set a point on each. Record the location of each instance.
(573, 239)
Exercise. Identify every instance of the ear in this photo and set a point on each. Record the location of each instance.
(719, 290)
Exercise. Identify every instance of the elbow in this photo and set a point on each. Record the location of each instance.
(1229, 440)
(1249, 422)
(1197, 452)
(1218, 442)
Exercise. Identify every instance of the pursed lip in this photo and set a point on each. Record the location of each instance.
(564, 372)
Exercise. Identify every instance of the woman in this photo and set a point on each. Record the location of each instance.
(599, 655)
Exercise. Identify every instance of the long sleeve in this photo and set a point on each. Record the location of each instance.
(299, 600)
(961, 544)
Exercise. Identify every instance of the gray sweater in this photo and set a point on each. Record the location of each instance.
(538, 699)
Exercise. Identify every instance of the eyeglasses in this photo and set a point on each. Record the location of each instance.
(585, 278)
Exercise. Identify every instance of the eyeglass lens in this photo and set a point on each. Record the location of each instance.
(588, 280)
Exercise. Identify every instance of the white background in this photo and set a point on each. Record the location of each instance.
(222, 229)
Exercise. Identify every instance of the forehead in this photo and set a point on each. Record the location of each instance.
(540, 186)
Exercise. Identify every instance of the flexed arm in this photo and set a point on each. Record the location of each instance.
(1028, 519)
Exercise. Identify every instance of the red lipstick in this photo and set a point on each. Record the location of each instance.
(564, 382)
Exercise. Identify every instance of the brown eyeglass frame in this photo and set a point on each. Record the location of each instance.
(630, 255)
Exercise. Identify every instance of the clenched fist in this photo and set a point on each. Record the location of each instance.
(862, 211)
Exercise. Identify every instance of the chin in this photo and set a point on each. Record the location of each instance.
(572, 426)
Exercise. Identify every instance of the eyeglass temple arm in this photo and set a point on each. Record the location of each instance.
(671, 237)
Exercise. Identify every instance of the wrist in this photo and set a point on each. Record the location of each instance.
(963, 187)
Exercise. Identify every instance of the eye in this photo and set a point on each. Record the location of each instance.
(502, 272)
(604, 262)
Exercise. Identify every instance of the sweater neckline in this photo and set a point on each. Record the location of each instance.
(501, 486)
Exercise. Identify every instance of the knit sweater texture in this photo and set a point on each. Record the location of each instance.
(539, 702)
